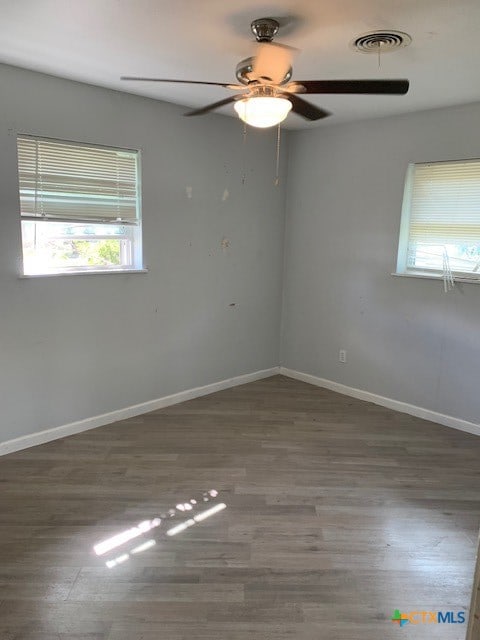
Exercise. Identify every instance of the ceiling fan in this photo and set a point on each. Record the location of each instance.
(267, 92)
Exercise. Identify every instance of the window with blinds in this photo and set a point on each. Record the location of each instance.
(440, 229)
(79, 205)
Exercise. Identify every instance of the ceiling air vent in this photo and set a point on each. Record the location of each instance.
(380, 41)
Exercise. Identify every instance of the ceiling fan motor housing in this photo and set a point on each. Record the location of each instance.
(245, 68)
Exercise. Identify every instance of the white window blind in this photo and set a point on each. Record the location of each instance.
(76, 182)
(445, 204)
(440, 229)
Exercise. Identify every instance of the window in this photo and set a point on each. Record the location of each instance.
(440, 229)
(80, 207)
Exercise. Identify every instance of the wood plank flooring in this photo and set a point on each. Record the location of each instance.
(337, 513)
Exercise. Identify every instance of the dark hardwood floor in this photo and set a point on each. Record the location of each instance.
(337, 513)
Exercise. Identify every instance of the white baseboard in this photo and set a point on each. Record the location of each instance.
(390, 403)
(48, 435)
(70, 429)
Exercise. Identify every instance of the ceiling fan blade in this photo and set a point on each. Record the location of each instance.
(272, 62)
(210, 107)
(215, 84)
(306, 109)
(387, 87)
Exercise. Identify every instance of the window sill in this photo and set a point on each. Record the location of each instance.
(430, 276)
(80, 273)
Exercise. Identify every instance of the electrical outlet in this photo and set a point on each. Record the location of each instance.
(342, 355)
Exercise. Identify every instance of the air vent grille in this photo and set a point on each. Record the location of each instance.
(383, 41)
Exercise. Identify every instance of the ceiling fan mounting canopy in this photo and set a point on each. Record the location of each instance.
(265, 29)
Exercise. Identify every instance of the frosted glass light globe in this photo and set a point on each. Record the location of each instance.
(263, 111)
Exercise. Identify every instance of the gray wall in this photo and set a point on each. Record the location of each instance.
(77, 346)
(405, 338)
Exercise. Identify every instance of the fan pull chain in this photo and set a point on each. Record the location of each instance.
(244, 154)
(277, 167)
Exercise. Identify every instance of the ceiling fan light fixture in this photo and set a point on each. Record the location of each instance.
(263, 111)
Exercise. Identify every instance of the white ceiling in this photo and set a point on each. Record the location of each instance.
(97, 41)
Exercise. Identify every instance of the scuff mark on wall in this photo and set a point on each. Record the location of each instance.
(189, 191)
(226, 195)
(225, 243)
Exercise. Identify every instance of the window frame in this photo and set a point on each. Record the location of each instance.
(134, 234)
(402, 268)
